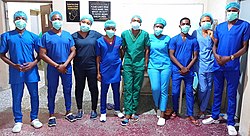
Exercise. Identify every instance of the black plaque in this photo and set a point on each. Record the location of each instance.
(100, 10)
(73, 11)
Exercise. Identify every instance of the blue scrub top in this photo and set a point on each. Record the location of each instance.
(206, 58)
(158, 56)
(85, 50)
(230, 42)
(183, 50)
(58, 47)
(21, 50)
(110, 64)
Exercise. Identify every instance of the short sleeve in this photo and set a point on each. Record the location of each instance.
(71, 41)
(98, 49)
(3, 44)
(216, 33)
(172, 43)
(42, 41)
(147, 41)
(196, 45)
(123, 39)
(246, 35)
(194, 34)
(36, 42)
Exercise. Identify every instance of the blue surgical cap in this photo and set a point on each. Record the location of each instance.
(137, 16)
(160, 20)
(89, 17)
(109, 23)
(20, 14)
(54, 13)
(233, 5)
(207, 15)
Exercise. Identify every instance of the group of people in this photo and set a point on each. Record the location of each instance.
(214, 55)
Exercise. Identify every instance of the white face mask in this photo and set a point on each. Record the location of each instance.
(57, 24)
(135, 25)
(84, 27)
(20, 24)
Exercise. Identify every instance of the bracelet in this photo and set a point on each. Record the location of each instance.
(232, 57)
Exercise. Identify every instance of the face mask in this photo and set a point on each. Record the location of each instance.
(20, 24)
(232, 16)
(57, 24)
(185, 29)
(84, 27)
(135, 25)
(110, 33)
(158, 31)
(206, 25)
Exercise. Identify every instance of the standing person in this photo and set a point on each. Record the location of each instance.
(109, 64)
(159, 68)
(136, 46)
(204, 36)
(231, 42)
(183, 51)
(20, 44)
(85, 64)
(57, 49)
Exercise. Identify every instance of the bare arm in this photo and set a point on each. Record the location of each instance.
(99, 77)
(242, 51)
(44, 57)
(195, 57)
(173, 58)
(146, 57)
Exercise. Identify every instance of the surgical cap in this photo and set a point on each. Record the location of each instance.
(137, 16)
(207, 15)
(20, 14)
(233, 5)
(89, 17)
(54, 13)
(109, 23)
(160, 20)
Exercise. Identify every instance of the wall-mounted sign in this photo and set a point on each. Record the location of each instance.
(73, 11)
(100, 10)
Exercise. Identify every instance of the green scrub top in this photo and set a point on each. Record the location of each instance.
(135, 48)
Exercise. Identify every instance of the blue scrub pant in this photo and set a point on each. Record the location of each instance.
(159, 80)
(205, 88)
(53, 79)
(116, 96)
(176, 83)
(17, 95)
(232, 78)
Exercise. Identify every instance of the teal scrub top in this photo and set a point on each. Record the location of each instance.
(158, 56)
(21, 50)
(135, 48)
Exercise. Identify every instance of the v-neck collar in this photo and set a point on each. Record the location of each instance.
(132, 35)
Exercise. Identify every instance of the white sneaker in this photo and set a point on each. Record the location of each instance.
(231, 130)
(210, 120)
(17, 127)
(103, 118)
(36, 123)
(119, 114)
(161, 121)
(158, 113)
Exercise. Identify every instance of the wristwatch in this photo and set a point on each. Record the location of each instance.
(232, 57)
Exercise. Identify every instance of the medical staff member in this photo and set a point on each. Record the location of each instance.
(136, 49)
(183, 51)
(84, 64)
(109, 64)
(159, 68)
(204, 36)
(57, 49)
(231, 42)
(20, 44)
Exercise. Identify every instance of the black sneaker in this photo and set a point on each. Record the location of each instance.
(52, 122)
(93, 115)
(79, 115)
(70, 117)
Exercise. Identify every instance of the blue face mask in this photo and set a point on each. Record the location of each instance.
(232, 16)
(57, 24)
(84, 27)
(110, 33)
(20, 24)
(185, 29)
(206, 25)
(158, 31)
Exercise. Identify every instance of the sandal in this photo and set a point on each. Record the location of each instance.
(194, 121)
(173, 115)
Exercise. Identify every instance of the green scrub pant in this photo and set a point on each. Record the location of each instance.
(133, 80)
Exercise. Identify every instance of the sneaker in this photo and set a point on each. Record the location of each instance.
(125, 122)
(158, 113)
(135, 117)
(119, 114)
(161, 121)
(17, 127)
(93, 115)
(70, 117)
(210, 120)
(52, 122)
(79, 115)
(103, 118)
(36, 123)
(231, 130)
